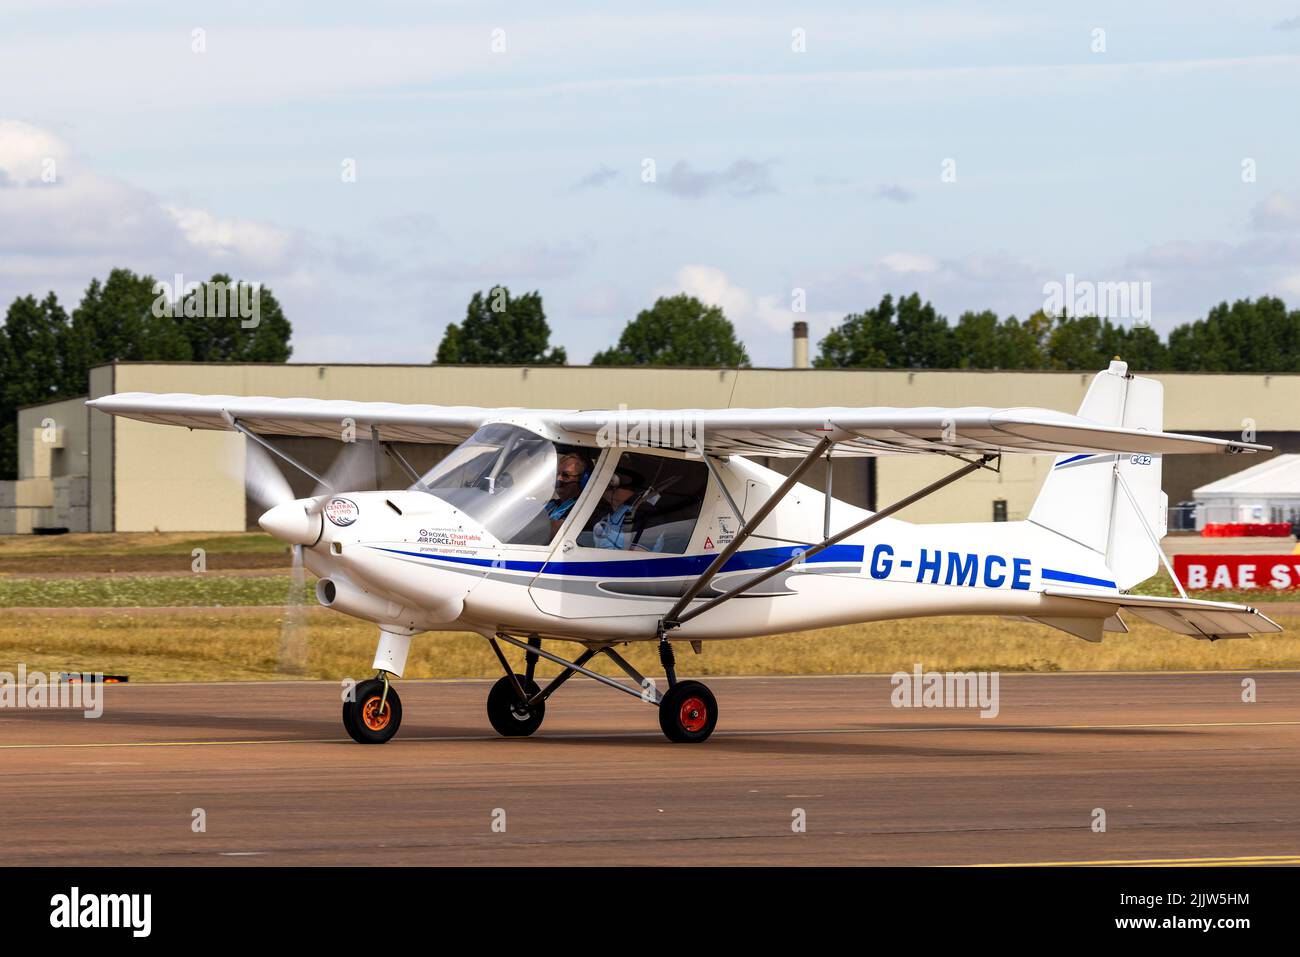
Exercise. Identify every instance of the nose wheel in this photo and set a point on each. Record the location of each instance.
(688, 712)
(374, 714)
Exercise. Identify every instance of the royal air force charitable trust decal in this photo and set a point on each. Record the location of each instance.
(341, 511)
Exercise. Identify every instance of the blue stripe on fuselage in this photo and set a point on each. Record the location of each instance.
(652, 567)
(1052, 574)
(1074, 458)
(683, 565)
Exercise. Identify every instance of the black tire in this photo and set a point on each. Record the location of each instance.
(688, 713)
(363, 720)
(508, 717)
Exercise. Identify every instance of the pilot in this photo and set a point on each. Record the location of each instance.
(614, 530)
(570, 474)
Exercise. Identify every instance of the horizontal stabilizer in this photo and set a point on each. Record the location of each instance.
(1186, 616)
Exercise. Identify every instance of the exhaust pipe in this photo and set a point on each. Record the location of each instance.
(341, 595)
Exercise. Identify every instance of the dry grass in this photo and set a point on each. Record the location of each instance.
(209, 590)
(124, 543)
(242, 645)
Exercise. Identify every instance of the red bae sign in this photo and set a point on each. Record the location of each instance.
(1238, 572)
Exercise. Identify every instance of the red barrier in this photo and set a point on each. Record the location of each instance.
(1247, 529)
(1238, 572)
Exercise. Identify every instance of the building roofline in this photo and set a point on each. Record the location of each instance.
(612, 368)
(37, 405)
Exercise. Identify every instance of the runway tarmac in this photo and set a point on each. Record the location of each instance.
(1185, 772)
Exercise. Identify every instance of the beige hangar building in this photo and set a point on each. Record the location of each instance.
(81, 470)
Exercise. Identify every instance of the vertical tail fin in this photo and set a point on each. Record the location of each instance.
(1082, 498)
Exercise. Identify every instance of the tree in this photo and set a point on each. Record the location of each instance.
(910, 335)
(32, 367)
(116, 321)
(976, 341)
(501, 330)
(867, 339)
(1139, 346)
(926, 340)
(1075, 343)
(44, 355)
(1259, 336)
(227, 321)
(677, 331)
(1020, 344)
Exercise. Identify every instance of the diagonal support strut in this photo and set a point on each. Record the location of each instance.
(743, 534)
(674, 621)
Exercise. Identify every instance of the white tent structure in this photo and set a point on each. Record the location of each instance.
(1267, 492)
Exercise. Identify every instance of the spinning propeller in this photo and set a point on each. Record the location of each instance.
(298, 522)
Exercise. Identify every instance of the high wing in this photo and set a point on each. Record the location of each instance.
(398, 422)
(770, 432)
(883, 431)
(1185, 616)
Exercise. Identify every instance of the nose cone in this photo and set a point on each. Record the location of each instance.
(292, 523)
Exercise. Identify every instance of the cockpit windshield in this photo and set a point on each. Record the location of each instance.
(503, 477)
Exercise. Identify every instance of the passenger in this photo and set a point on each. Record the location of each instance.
(570, 475)
(615, 530)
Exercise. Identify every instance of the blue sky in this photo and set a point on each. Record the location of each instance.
(775, 169)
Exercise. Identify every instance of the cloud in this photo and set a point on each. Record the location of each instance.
(1216, 256)
(230, 238)
(895, 193)
(1180, 254)
(1277, 212)
(59, 215)
(59, 235)
(1288, 286)
(26, 153)
(1291, 23)
(908, 262)
(594, 179)
(763, 322)
(743, 178)
(1189, 277)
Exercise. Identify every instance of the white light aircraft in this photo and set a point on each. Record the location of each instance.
(608, 527)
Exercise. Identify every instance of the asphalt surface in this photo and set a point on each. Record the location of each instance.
(1183, 769)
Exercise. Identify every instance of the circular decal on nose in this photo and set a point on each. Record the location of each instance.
(341, 511)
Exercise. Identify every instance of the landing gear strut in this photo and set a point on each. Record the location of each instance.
(688, 712)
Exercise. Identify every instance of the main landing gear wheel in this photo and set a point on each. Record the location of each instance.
(688, 712)
(511, 718)
(372, 717)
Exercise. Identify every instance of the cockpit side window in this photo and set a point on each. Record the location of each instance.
(651, 503)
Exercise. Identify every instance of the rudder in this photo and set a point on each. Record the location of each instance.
(1082, 499)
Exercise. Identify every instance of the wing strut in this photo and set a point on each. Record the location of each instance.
(391, 450)
(279, 453)
(679, 616)
(674, 616)
(1142, 520)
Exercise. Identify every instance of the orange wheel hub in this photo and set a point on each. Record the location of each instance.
(372, 717)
